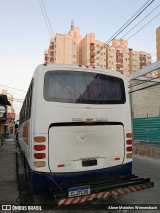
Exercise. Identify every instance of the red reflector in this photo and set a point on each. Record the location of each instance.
(39, 155)
(129, 149)
(39, 147)
(60, 165)
(116, 158)
(129, 142)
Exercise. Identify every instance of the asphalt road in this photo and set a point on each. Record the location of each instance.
(147, 168)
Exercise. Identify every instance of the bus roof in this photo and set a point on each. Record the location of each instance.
(47, 67)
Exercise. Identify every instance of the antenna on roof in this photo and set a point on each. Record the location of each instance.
(72, 24)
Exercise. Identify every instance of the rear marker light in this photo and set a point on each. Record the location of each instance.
(39, 155)
(39, 163)
(129, 135)
(129, 155)
(116, 158)
(39, 147)
(129, 142)
(40, 139)
(61, 165)
(129, 149)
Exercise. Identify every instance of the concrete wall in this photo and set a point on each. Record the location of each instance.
(145, 103)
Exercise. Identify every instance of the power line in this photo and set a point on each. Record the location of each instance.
(13, 88)
(124, 26)
(144, 81)
(48, 24)
(134, 17)
(139, 29)
(16, 93)
(153, 85)
(144, 26)
(140, 21)
(45, 19)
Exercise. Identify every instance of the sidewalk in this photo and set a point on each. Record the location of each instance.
(8, 179)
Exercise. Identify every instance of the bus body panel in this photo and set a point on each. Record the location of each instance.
(46, 113)
(71, 147)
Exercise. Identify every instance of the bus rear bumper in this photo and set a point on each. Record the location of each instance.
(45, 182)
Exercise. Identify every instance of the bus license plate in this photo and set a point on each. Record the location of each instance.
(78, 191)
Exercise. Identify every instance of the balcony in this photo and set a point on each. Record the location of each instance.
(142, 64)
(92, 60)
(92, 46)
(142, 58)
(92, 54)
(92, 64)
(51, 59)
(51, 46)
(119, 54)
(51, 52)
(119, 66)
(119, 60)
(46, 58)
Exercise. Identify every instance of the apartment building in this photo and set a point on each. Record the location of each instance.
(92, 52)
(138, 60)
(64, 48)
(158, 47)
(117, 56)
(72, 49)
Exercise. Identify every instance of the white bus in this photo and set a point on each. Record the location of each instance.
(75, 122)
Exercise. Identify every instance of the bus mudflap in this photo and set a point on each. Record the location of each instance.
(79, 190)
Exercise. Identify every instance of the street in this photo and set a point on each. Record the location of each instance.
(142, 166)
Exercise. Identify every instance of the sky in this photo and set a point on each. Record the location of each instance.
(24, 35)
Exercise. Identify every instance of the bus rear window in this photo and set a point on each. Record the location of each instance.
(83, 87)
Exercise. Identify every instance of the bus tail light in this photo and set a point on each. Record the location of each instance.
(129, 155)
(129, 142)
(39, 163)
(129, 149)
(129, 135)
(40, 139)
(39, 155)
(39, 147)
